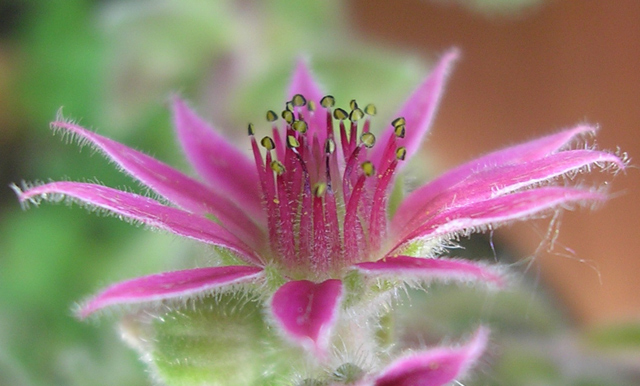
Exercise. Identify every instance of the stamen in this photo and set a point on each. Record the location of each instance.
(328, 101)
(292, 141)
(268, 143)
(320, 242)
(319, 189)
(300, 126)
(318, 219)
(368, 169)
(356, 115)
(287, 115)
(311, 106)
(272, 116)
(368, 139)
(340, 114)
(398, 122)
(329, 146)
(334, 241)
(353, 232)
(269, 189)
(370, 110)
(298, 100)
(277, 167)
(286, 242)
(378, 219)
(399, 131)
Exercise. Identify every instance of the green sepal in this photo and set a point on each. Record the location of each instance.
(219, 340)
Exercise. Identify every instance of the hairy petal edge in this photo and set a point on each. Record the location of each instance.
(169, 285)
(435, 367)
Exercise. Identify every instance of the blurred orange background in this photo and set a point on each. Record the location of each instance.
(552, 66)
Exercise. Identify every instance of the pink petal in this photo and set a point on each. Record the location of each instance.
(168, 285)
(302, 82)
(434, 367)
(173, 184)
(516, 206)
(307, 311)
(418, 268)
(497, 181)
(219, 162)
(420, 108)
(526, 152)
(144, 210)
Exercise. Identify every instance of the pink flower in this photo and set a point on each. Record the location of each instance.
(309, 211)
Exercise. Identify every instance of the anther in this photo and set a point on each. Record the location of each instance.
(251, 130)
(319, 189)
(287, 115)
(353, 104)
(401, 153)
(300, 126)
(340, 114)
(272, 116)
(292, 141)
(368, 169)
(329, 146)
(399, 131)
(289, 106)
(355, 115)
(368, 139)
(311, 105)
(277, 167)
(370, 109)
(298, 100)
(398, 122)
(268, 143)
(328, 101)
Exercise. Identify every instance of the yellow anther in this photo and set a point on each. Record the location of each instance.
(399, 131)
(311, 105)
(368, 139)
(356, 115)
(328, 101)
(401, 153)
(329, 146)
(292, 141)
(370, 109)
(298, 100)
(272, 116)
(300, 126)
(268, 143)
(340, 114)
(277, 167)
(250, 129)
(288, 106)
(398, 122)
(287, 115)
(368, 169)
(319, 189)
(353, 104)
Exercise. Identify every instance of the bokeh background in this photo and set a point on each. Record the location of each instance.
(529, 67)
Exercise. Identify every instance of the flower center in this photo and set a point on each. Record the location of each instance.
(324, 196)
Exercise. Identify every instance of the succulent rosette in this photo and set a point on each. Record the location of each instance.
(303, 219)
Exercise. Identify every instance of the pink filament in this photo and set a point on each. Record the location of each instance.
(324, 231)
